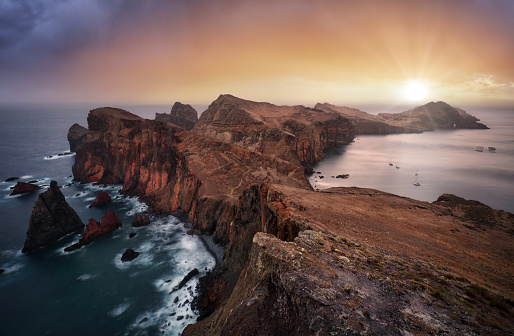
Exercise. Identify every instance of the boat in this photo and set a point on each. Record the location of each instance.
(491, 149)
(417, 184)
(479, 148)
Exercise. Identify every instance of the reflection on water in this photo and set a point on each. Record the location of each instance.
(440, 161)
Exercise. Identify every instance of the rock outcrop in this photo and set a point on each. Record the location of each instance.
(183, 115)
(76, 134)
(95, 229)
(363, 122)
(296, 134)
(366, 262)
(140, 220)
(51, 219)
(129, 255)
(428, 117)
(101, 198)
(24, 188)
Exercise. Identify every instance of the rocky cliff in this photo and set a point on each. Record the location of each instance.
(51, 219)
(183, 115)
(341, 261)
(76, 134)
(297, 134)
(367, 262)
(173, 169)
(428, 117)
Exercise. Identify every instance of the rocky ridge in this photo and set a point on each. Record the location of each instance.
(234, 189)
(431, 116)
(297, 134)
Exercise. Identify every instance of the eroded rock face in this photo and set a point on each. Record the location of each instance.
(174, 169)
(51, 219)
(76, 134)
(321, 284)
(24, 188)
(294, 133)
(183, 115)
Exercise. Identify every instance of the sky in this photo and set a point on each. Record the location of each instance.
(286, 52)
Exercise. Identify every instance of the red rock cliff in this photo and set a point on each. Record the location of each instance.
(294, 133)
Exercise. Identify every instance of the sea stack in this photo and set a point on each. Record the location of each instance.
(52, 218)
(76, 134)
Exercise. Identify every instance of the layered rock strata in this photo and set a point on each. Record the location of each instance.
(183, 115)
(297, 134)
(173, 169)
(51, 219)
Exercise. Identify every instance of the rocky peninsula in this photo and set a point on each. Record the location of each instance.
(342, 261)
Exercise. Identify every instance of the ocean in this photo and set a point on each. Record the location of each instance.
(90, 292)
(441, 161)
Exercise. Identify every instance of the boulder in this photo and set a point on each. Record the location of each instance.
(76, 134)
(129, 255)
(101, 199)
(51, 219)
(140, 220)
(24, 188)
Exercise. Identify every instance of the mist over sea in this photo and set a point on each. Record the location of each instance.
(90, 292)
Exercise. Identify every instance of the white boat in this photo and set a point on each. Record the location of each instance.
(417, 184)
(492, 149)
(479, 148)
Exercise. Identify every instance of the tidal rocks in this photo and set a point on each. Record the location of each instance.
(94, 229)
(129, 255)
(24, 188)
(186, 279)
(140, 220)
(183, 115)
(11, 179)
(101, 199)
(51, 219)
(76, 134)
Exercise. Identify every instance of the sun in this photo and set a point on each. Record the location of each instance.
(415, 91)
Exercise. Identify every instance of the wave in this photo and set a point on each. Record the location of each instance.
(59, 155)
(120, 309)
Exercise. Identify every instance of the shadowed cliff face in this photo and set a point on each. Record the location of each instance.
(294, 133)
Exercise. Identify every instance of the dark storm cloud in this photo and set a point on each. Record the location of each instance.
(42, 31)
